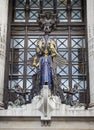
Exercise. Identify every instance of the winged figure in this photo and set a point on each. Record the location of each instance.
(46, 61)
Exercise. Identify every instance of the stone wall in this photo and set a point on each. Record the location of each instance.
(55, 124)
(3, 32)
(90, 25)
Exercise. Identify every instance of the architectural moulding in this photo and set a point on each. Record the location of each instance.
(3, 35)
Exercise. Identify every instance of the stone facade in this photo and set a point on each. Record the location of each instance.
(55, 116)
(58, 116)
(90, 25)
(35, 124)
(3, 34)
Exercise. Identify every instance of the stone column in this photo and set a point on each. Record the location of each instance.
(3, 34)
(90, 26)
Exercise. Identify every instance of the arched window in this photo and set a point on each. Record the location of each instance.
(69, 35)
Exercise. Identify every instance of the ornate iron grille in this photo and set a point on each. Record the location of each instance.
(70, 38)
(67, 10)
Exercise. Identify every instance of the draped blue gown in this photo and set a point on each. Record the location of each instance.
(46, 71)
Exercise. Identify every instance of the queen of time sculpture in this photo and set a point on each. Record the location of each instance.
(45, 54)
(46, 59)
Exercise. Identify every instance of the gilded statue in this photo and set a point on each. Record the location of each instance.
(46, 60)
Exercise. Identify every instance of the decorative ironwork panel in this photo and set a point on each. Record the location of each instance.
(15, 81)
(76, 16)
(20, 4)
(19, 16)
(76, 11)
(62, 71)
(72, 74)
(29, 84)
(17, 58)
(66, 10)
(25, 12)
(33, 16)
(47, 4)
(62, 13)
(62, 16)
(34, 4)
(76, 3)
(17, 43)
(69, 11)
(61, 4)
(19, 13)
(64, 83)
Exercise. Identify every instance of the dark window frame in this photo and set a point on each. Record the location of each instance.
(23, 29)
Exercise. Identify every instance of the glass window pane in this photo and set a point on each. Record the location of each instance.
(61, 3)
(31, 70)
(15, 82)
(76, 3)
(62, 43)
(62, 70)
(63, 53)
(17, 43)
(77, 43)
(29, 84)
(80, 82)
(34, 3)
(64, 83)
(76, 16)
(20, 4)
(33, 16)
(48, 3)
(19, 16)
(62, 16)
(32, 43)
(30, 54)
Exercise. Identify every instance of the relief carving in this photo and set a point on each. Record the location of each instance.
(2, 40)
(91, 47)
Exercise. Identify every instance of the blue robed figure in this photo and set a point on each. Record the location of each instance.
(45, 70)
(46, 57)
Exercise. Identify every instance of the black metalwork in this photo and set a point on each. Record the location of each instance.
(67, 30)
(47, 22)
